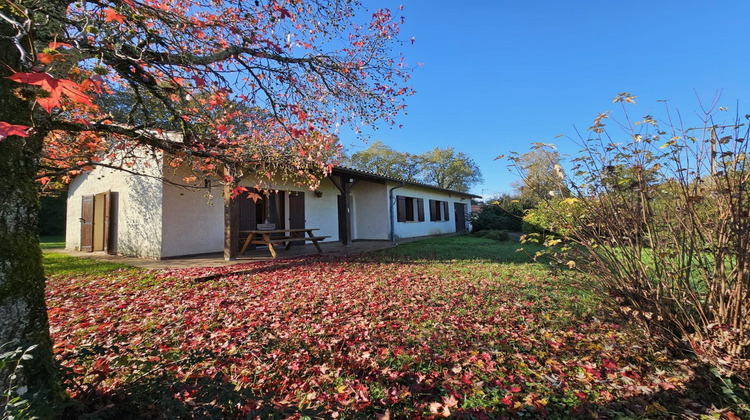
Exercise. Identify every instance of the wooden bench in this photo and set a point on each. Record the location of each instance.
(264, 237)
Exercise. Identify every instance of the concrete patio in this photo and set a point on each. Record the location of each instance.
(260, 253)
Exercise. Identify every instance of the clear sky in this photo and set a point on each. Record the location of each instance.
(499, 75)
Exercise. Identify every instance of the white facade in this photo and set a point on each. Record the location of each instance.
(416, 228)
(157, 215)
(369, 205)
(137, 202)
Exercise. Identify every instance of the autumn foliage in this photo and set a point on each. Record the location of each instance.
(364, 338)
(258, 86)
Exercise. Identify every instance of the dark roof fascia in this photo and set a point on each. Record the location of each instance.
(372, 176)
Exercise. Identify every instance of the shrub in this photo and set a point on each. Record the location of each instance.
(498, 235)
(662, 216)
(500, 213)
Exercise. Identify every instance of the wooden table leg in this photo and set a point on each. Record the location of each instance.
(289, 242)
(315, 242)
(247, 243)
(267, 238)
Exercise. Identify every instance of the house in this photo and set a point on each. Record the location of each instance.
(149, 211)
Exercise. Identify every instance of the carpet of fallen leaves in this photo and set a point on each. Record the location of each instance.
(347, 338)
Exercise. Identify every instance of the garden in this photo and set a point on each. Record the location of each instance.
(459, 327)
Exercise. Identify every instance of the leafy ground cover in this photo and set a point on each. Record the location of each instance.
(381, 336)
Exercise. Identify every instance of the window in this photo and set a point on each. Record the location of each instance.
(439, 211)
(409, 209)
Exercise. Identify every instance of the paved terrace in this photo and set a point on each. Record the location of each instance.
(260, 253)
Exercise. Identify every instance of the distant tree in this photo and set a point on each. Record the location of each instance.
(385, 161)
(440, 167)
(447, 169)
(541, 174)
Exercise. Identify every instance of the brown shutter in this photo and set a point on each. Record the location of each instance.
(297, 212)
(433, 216)
(107, 219)
(446, 215)
(420, 209)
(401, 208)
(87, 223)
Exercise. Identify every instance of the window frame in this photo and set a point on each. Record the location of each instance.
(439, 211)
(409, 209)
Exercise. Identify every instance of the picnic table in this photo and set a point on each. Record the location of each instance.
(280, 236)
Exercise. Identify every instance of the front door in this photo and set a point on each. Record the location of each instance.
(460, 210)
(297, 212)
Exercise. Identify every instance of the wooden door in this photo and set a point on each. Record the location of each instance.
(247, 213)
(87, 223)
(99, 207)
(344, 220)
(297, 212)
(460, 210)
(109, 221)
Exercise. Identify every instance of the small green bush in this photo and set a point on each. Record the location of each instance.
(498, 235)
(501, 213)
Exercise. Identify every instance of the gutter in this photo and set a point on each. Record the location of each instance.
(393, 204)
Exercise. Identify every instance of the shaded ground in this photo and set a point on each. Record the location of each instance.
(258, 254)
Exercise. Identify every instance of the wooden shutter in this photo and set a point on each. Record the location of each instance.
(401, 208)
(432, 211)
(108, 221)
(420, 209)
(446, 214)
(87, 223)
(297, 213)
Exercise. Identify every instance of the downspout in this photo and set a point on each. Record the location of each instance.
(393, 220)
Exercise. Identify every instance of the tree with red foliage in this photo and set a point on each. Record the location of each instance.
(298, 68)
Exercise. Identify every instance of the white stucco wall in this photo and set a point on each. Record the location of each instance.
(370, 211)
(136, 209)
(322, 212)
(193, 221)
(427, 227)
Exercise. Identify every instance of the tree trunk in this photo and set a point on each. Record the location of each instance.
(23, 312)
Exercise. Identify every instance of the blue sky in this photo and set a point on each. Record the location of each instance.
(499, 75)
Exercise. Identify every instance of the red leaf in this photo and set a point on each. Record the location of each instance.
(111, 15)
(199, 82)
(284, 12)
(36, 79)
(73, 91)
(12, 130)
(236, 191)
(55, 87)
(55, 45)
(46, 58)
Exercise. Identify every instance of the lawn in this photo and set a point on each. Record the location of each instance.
(388, 335)
(50, 242)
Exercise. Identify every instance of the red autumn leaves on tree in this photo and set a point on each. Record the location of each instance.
(263, 85)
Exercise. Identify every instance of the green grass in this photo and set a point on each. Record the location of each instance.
(65, 265)
(464, 247)
(51, 242)
(461, 319)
